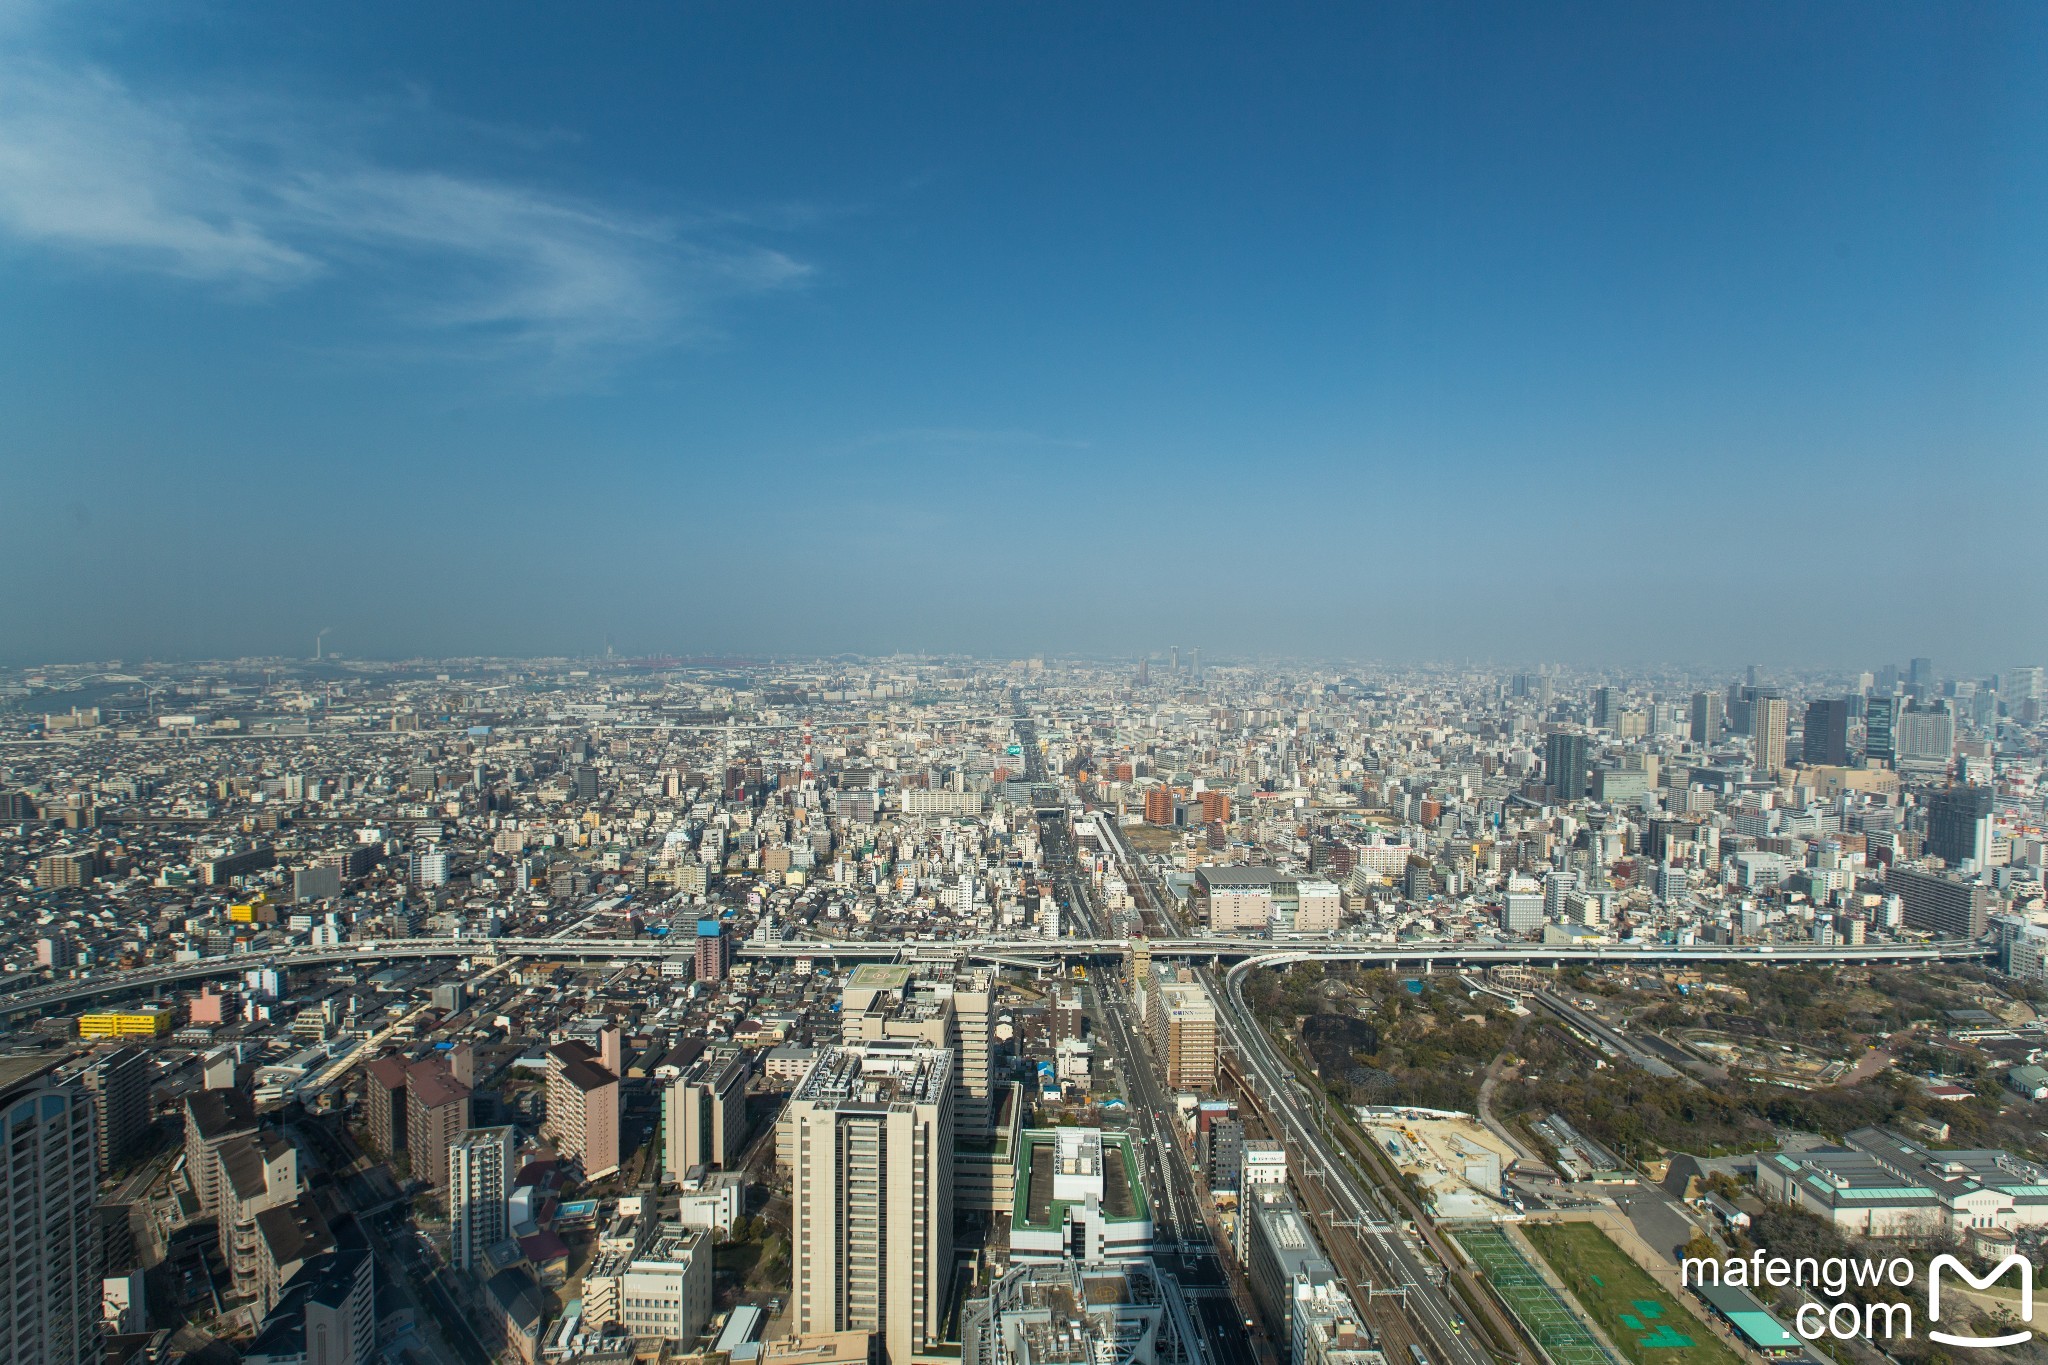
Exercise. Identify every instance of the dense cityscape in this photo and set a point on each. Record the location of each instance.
(1157, 1010)
(767, 682)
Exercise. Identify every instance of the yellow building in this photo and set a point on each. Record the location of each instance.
(244, 912)
(125, 1024)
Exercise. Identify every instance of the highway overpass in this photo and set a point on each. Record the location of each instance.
(1023, 952)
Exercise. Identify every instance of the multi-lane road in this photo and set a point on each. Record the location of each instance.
(1183, 1245)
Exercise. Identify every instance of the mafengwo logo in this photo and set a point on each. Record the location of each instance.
(1834, 1276)
(1997, 1272)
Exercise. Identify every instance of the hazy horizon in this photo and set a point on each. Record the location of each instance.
(1586, 333)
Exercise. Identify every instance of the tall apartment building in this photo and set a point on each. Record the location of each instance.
(1186, 1033)
(289, 1238)
(583, 1108)
(950, 1009)
(1768, 720)
(259, 1172)
(49, 1259)
(704, 1115)
(119, 1082)
(327, 1315)
(868, 1136)
(714, 951)
(384, 1103)
(59, 870)
(1159, 805)
(1940, 905)
(213, 1118)
(479, 1182)
(436, 1114)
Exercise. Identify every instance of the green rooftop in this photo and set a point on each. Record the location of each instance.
(1123, 1201)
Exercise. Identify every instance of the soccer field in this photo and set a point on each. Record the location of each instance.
(1543, 1315)
(1637, 1314)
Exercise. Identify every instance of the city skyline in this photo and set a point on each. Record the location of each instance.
(837, 1012)
(1591, 335)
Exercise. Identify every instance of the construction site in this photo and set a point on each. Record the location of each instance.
(1455, 1164)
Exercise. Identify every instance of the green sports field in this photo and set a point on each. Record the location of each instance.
(1543, 1315)
(1637, 1314)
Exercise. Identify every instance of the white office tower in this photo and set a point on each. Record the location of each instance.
(49, 1259)
(868, 1136)
(479, 1182)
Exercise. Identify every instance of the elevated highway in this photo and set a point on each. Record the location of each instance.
(1008, 951)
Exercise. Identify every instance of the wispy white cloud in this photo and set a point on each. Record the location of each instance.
(258, 198)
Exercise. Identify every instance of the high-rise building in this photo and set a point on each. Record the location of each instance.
(704, 1115)
(714, 952)
(583, 1108)
(2021, 684)
(1941, 905)
(480, 1171)
(1879, 714)
(1604, 710)
(1521, 912)
(1959, 826)
(259, 1175)
(1920, 677)
(1709, 712)
(384, 1103)
(951, 1010)
(213, 1118)
(56, 871)
(1283, 1260)
(436, 1114)
(1159, 805)
(1767, 733)
(428, 867)
(49, 1259)
(868, 1136)
(1187, 1036)
(326, 1315)
(1924, 737)
(119, 1082)
(1827, 732)
(1565, 765)
(1558, 887)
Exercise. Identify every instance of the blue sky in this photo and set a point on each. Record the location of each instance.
(1697, 332)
